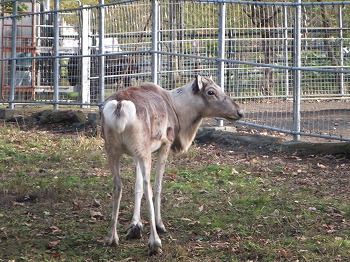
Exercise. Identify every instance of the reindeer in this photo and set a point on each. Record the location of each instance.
(140, 120)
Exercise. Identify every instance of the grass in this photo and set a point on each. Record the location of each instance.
(49, 183)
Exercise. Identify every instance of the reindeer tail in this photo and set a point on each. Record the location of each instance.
(119, 114)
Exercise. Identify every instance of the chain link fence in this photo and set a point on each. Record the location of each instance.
(286, 63)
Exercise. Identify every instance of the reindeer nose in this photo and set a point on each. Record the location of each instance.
(240, 113)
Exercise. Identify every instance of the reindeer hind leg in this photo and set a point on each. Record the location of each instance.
(136, 228)
(157, 188)
(154, 242)
(112, 237)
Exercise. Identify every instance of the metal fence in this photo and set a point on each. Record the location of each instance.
(287, 63)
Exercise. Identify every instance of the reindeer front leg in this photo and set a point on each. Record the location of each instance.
(157, 189)
(136, 227)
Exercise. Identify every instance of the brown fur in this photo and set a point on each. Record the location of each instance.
(140, 120)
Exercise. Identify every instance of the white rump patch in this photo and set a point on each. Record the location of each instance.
(116, 118)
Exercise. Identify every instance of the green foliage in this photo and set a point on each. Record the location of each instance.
(8, 7)
(73, 4)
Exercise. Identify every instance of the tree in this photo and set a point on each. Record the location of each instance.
(8, 7)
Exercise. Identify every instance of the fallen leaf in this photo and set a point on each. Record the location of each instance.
(275, 213)
(54, 229)
(301, 238)
(52, 244)
(201, 208)
(329, 227)
(56, 255)
(217, 230)
(283, 253)
(235, 238)
(17, 203)
(97, 215)
(96, 203)
(234, 171)
(126, 259)
(76, 206)
(321, 166)
(254, 160)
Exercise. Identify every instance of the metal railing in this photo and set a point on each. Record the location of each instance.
(287, 63)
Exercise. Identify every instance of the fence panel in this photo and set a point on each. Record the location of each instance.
(127, 44)
(258, 41)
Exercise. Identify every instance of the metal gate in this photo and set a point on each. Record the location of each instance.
(287, 63)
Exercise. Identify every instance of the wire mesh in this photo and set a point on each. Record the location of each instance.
(22, 77)
(129, 42)
(259, 56)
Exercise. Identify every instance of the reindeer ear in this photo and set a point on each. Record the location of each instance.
(197, 84)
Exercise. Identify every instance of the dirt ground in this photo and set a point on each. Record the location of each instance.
(318, 116)
(267, 154)
(324, 164)
(328, 117)
(312, 162)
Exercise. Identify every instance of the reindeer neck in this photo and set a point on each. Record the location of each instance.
(188, 111)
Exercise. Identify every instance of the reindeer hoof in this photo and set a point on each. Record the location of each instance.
(154, 249)
(111, 241)
(134, 231)
(161, 229)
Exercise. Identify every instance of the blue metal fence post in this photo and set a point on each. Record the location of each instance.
(86, 58)
(296, 71)
(101, 58)
(221, 49)
(13, 54)
(154, 51)
(56, 61)
(341, 51)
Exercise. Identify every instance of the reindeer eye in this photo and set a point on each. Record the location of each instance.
(211, 93)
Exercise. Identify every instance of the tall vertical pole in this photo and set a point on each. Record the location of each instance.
(342, 89)
(285, 43)
(101, 58)
(86, 59)
(296, 71)
(56, 41)
(13, 55)
(221, 49)
(155, 30)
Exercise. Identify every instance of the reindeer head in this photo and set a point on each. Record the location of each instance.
(216, 102)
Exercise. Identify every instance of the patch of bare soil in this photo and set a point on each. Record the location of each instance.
(323, 116)
(63, 121)
(319, 166)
